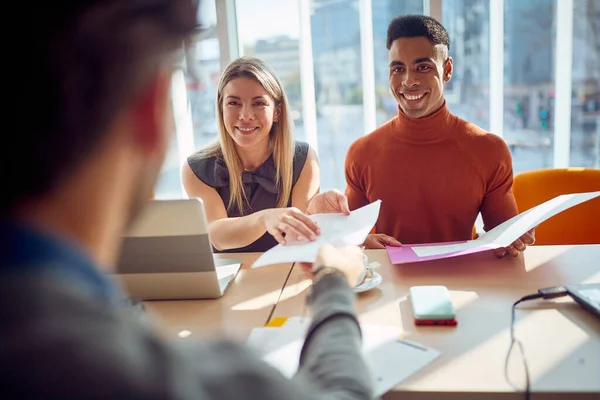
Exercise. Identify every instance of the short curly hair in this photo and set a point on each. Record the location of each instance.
(410, 26)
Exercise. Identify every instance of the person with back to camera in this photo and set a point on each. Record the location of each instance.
(87, 164)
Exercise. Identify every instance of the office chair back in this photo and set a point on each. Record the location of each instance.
(577, 225)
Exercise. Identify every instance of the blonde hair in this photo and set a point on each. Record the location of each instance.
(281, 139)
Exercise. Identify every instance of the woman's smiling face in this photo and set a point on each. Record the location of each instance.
(248, 111)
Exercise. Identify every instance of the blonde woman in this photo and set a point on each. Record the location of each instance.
(255, 180)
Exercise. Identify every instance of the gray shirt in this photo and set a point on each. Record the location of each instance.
(63, 335)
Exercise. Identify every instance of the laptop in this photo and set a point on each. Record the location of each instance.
(166, 255)
(587, 295)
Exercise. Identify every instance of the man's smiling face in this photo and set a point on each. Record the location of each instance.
(418, 70)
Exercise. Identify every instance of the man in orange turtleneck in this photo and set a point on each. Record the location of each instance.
(433, 171)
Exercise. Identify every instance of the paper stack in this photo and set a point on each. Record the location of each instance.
(501, 236)
(390, 358)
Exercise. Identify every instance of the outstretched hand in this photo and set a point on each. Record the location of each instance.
(348, 260)
(331, 201)
(379, 241)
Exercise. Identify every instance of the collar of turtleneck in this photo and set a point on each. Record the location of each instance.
(431, 128)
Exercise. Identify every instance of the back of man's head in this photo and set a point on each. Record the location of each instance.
(78, 64)
(410, 26)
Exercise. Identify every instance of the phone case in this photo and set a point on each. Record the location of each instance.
(431, 303)
(441, 322)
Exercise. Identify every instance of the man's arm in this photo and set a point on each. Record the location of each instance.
(354, 187)
(331, 362)
(108, 354)
(499, 203)
(331, 365)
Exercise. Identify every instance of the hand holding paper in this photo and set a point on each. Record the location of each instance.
(331, 201)
(336, 229)
(518, 245)
(501, 236)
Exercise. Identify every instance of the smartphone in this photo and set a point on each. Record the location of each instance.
(431, 305)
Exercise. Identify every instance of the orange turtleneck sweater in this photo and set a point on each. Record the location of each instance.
(433, 176)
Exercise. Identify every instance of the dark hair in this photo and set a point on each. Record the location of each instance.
(410, 26)
(77, 65)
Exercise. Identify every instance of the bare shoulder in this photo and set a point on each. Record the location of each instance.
(312, 154)
(193, 185)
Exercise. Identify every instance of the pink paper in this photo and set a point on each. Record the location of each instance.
(406, 254)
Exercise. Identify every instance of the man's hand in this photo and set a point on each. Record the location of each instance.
(349, 260)
(331, 201)
(518, 245)
(379, 241)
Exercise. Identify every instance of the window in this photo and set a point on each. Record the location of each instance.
(383, 12)
(467, 93)
(585, 104)
(507, 74)
(201, 83)
(338, 84)
(270, 30)
(168, 186)
(529, 44)
(193, 95)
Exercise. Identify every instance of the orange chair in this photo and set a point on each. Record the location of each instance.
(577, 225)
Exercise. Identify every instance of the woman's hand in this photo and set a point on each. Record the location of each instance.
(288, 225)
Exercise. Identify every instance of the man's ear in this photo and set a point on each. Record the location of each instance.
(448, 68)
(152, 115)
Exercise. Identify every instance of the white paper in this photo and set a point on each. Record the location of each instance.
(390, 359)
(506, 233)
(336, 229)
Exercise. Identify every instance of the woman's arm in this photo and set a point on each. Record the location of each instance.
(308, 183)
(232, 233)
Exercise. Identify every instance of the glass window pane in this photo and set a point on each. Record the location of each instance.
(201, 70)
(168, 184)
(202, 79)
(383, 13)
(585, 104)
(468, 26)
(529, 41)
(264, 33)
(338, 84)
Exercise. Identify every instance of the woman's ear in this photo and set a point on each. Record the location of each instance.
(277, 113)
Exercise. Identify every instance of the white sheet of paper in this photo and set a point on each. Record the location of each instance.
(506, 233)
(390, 359)
(336, 229)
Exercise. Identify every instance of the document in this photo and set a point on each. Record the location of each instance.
(336, 229)
(390, 358)
(501, 236)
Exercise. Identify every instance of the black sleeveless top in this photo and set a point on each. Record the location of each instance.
(260, 188)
